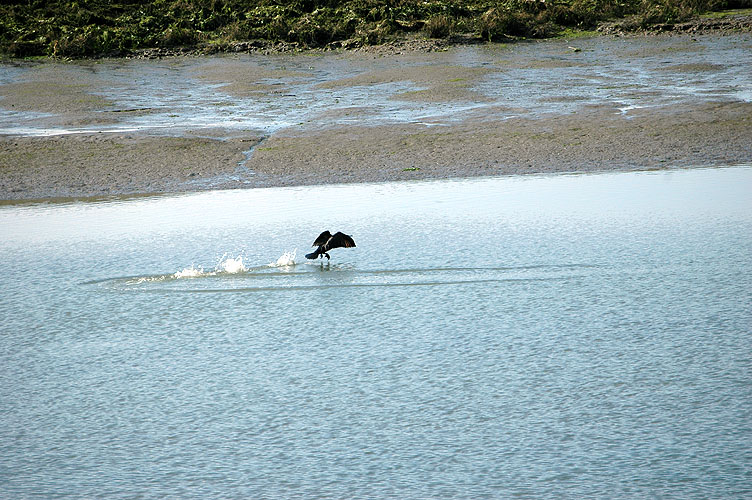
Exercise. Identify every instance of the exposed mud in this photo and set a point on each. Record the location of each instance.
(119, 127)
(594, 140)
(85, 165)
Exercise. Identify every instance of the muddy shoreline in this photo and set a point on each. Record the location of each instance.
(486, 141)
(590, 141)
(95, 165)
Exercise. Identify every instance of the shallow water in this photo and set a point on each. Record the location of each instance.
(173, 96)
(577, 336)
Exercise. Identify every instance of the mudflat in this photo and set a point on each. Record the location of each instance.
(592, 140)
(89, 129)
(87, 165)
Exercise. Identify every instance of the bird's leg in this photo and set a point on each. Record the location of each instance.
(327, 256)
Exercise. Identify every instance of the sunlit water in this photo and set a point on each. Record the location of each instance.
(583, 336)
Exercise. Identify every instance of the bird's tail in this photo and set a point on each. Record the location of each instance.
(314, 254)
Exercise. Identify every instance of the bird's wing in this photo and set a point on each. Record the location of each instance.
(323, 238)
(340, 240)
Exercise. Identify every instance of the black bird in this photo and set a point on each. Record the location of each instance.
(326, 242)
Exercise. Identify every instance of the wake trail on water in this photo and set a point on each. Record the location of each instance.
(285, 273)
(226, 265)
(235, 265)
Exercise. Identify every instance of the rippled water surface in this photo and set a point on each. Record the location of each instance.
(584, 336)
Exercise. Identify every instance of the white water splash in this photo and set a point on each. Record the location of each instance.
(225, 265)
(189, 272)
(285, 260)
(231, 265)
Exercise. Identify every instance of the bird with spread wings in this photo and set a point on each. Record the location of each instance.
(326, 242)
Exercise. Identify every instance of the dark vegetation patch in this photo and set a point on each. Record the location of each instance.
(91, 28)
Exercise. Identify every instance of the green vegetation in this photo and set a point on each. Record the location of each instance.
(726, 13)
(90, 28)
(574, 33)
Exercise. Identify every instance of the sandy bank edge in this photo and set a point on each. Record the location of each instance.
(96, 165)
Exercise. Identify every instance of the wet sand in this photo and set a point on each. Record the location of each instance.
(592, 140)
(94, 165)
(486, 141)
